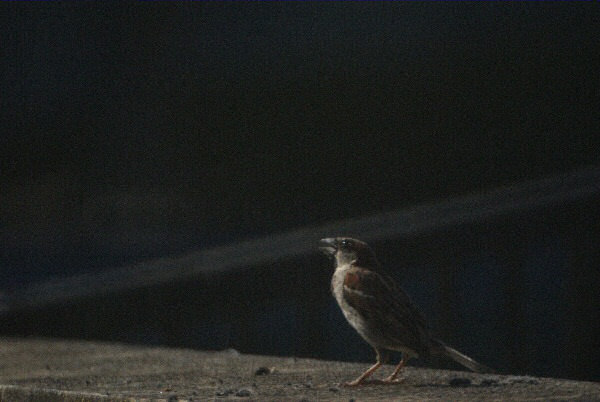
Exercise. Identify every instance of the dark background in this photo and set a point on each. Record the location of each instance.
(133, 132)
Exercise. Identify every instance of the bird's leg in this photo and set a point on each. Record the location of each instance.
(392, 378)
(361, 380)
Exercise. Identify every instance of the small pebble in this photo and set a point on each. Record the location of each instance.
(243, 392)
(488, 382)
(521, 380)
(334, 389)
(224, 392)
(231, 352)
(263, 371)
(460, 382)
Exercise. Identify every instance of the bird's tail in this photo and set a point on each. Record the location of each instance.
(464, 360)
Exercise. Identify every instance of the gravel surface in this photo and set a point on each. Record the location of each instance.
(64, 370)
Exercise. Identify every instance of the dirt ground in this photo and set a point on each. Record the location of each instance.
(64, 370)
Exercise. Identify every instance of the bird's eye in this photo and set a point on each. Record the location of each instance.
(346, 243)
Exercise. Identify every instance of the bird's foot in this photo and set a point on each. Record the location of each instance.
(355, 383)
(386, 381)
(392, 380)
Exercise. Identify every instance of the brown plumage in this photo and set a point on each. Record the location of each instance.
(380, 311)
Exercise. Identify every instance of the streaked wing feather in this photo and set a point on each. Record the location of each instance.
(379, 300)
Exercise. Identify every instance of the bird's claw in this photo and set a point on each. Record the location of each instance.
(392, 381)
(350, 384)
(386, 381)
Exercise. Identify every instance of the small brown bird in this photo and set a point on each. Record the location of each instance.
(381, 312)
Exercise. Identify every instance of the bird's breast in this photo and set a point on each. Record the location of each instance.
(350, 313)
(337, 284)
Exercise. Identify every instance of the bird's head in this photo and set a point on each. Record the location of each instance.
(346, 250)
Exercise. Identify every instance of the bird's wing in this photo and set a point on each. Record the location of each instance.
(379, 300)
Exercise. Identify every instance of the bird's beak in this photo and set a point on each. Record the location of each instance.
(328, 246)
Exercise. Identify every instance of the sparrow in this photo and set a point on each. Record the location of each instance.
(381, 312)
